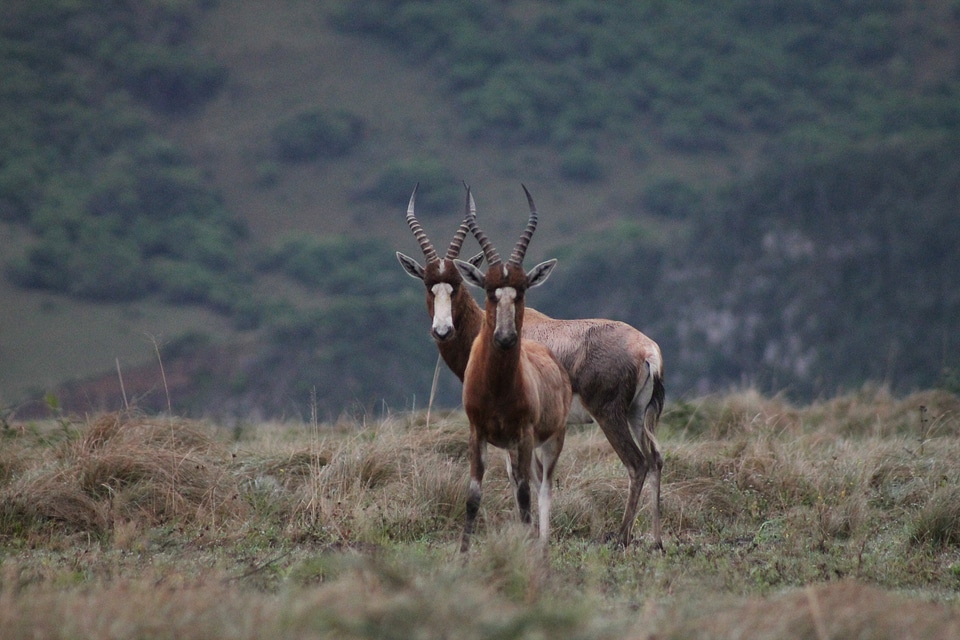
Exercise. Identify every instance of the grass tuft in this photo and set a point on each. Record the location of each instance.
(125, 525)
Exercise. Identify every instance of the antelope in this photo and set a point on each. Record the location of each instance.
(515, 393)
(456, 316)
(615, 371)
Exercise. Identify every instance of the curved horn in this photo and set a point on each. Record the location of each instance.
(457, 241)
(493, 258)
(520, 250)
(429, 253)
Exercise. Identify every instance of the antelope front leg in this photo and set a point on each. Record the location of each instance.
(511, 458)
(521, 472)
(477, 453)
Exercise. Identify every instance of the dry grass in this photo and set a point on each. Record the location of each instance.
(128, 526)
(844, 609)
(124, 468)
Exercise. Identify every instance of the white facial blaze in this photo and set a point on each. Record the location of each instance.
(442, 310)
(506, 318)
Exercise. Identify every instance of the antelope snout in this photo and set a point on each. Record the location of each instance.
(442, 333)
(505, 340)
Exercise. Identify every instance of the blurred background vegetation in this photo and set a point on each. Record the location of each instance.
(770, 190)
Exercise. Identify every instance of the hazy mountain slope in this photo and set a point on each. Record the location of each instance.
(643, 177)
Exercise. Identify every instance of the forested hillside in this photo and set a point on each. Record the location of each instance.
(770, 190)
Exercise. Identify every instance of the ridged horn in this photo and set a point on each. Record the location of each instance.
(520, 250)
(429, 253)
(457, 241)
(491, 255)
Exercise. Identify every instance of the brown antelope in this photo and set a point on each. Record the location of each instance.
(615, 370)
(515, 393)
(456, 315)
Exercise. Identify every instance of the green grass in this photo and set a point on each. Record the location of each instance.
(839, 516)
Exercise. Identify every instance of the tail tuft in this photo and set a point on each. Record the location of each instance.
(659, 394)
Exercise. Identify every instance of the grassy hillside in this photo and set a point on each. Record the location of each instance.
(834, 519)
(243, 190)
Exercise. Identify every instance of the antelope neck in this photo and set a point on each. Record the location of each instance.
(467, 321)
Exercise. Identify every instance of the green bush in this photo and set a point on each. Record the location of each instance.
(45, 266)
(688, 130)
(318, 133)
(581, 165)
(439, 192)
(672, 198)
(104, 196)
(184, 282)
(838, 254)
(703, 71)
(357, 350)
(337, 265)
(169, 79)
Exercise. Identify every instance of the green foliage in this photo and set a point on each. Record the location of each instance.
(813, 274)
(117, 212)
(184, 282)
(354, 352)
(600, 265)
(840, 257)
(362, 343)
(823, 271)
(701, 73)
(337, 265)
(169, 79)
(317, 133)
(672, 198)
(439, 187)
(581, 164)
(950, 380)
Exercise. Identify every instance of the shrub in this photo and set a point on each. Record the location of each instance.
(97, 265)
(44, 266)
(938, 523)
(183, 282)
(317, 133)
(338, 265)
(439, 187)
(103, 266)
(169, 79)
(687, 129)
(672, 198)
(580, 163)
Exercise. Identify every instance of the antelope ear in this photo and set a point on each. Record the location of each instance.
(539, 274)
(471, 274)
(410, 266)
(476, 260)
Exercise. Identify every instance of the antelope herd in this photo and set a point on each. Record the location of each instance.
(519, 368)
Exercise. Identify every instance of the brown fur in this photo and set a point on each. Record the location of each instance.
(455, 347)
(516, 398)
(615, 369)
(618, 374)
